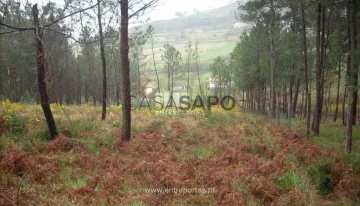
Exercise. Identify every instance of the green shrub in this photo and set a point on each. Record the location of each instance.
(320, 174)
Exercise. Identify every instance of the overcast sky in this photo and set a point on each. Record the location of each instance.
(167, 8)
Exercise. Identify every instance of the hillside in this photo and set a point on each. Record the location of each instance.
(215, 19)
(214, 30)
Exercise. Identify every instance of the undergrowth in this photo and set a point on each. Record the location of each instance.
(247, 160)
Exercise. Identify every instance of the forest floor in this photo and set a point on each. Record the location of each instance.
(215, 158)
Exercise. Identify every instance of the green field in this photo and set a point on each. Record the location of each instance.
(211, 45)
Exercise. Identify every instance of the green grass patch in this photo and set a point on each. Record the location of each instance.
(77, 125)
(129, 190)
(242, 188)
(72, 178)
(92, 147)
(137, 203)
(76, 183)
(107, 142)
(332, 136)
(202, 153)
(320, 173)
(290, 179)
(18, 124)
(220, 117)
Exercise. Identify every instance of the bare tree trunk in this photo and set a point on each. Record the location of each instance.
(68, 90)
(139, 75)
(79, 85)
(290, 93)
(188, 68)
(125, 74)
(289, 112)
(153, 56)
(278, 108)
(169, 77)
(343, 107)
(328, 102)
(296, 97)
(302, 105)
(307, 91)
(103, 62)
(172, 82)
(40, 58)
(284, 100)
(352, 12)
(263, 98)
(197, 65)
(116, 79)
(355, 92)
(337, 93)
(318, 73)
(272, 63)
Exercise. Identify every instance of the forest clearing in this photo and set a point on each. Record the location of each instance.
(237, 102)
(243, 160)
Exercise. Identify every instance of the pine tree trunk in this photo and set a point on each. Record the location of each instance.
(68, 90)
(289, 111)
(318, 72)
(139, 75)
(295, 98)
(307, 91)
(169, 77)
(352, 12)
(328, 102)
(302, 105)
(272, 62)
(337, 93)
(197, 66)
(79, 82)
(343, 107)
(291, 92)
(40, 59)
(188, 71)
(355, 91)
(103, 62)
(125, 74)
(153, 56)
(116, 79)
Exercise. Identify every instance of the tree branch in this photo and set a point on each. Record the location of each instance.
(9, 32)
(69, 36)
(64, 17)
(17, 28)
(76, 40)
(146, 6)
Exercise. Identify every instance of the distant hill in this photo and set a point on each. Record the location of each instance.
(216, 31)
(222, 18)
